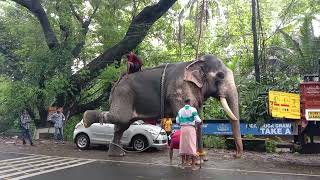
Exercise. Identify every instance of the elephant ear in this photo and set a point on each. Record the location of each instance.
(194, 73)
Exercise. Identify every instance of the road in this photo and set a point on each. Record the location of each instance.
(38, 167)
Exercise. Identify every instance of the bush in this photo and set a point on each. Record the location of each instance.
(214, 142)
(69, 127)
(249, 136)
(270, 145)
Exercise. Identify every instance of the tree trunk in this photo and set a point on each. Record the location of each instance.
(255, 42)
(43, 113)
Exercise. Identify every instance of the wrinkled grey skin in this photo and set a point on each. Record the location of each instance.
(138, 97)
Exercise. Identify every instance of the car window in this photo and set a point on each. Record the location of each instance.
(138, 122)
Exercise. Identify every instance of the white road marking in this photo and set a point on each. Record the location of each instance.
(51, 170)
(26, 157)
(33, 164)
(20, 164)
(24, 160)
(168, 165)
(78, 161)
(30, 166)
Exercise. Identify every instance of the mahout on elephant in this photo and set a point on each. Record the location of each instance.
(134, 63)
(160, 92)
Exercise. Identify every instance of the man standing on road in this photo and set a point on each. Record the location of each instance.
(58, 119)
(187, 118)
(25, 120)
(166, 124)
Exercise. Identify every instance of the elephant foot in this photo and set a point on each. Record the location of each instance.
(115, 150)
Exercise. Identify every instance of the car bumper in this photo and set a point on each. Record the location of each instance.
(75, 132)
(160, 143)
(159, 146)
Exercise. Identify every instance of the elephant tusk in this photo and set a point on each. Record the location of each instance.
(227, 109)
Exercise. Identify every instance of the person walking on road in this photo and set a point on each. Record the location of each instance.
(175, 143)
(187, 118)
(25, 120)
(58, 119)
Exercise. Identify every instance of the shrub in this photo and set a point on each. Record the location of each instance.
(69, 127)
(249, 136)
(214, 142)
(270, 145)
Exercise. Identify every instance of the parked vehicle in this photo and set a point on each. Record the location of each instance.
(139, 135)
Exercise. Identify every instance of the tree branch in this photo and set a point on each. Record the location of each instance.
(65, 30)
(37, 10)
(74, 12)
(85, 28)
(137, 31)
(93, 13)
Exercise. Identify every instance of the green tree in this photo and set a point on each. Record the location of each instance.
(50, 42)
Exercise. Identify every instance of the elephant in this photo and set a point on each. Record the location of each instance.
(139, 96)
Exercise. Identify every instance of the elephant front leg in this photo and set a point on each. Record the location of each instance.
(115, 148)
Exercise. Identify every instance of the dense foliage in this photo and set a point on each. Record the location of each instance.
(34, 76)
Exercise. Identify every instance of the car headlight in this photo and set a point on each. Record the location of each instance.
(78, 125)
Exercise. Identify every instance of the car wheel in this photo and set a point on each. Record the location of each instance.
(139, 143)
(82, 141)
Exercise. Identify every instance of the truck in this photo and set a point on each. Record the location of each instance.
(309, 124)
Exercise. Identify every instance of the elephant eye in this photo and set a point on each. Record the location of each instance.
(220, 75)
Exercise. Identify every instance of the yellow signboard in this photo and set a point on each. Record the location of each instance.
(284, 105)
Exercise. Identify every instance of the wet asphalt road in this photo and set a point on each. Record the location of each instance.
(39, 167)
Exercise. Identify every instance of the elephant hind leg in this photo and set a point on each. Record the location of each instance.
(115, 148)
(90, 117)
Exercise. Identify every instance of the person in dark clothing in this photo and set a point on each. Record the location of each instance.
(134, 63)
(25, 120)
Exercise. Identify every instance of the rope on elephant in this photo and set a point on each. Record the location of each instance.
(162, 91)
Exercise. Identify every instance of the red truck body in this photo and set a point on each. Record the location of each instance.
(310, 102)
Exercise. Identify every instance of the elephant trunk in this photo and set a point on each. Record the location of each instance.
(94, 116)
(231, 106)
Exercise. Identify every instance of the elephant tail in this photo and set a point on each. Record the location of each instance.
(94, 116)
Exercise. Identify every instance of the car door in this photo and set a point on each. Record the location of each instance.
(109, 130)
(126, 137)
(98, 132)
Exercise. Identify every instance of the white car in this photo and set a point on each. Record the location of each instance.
(139, 135)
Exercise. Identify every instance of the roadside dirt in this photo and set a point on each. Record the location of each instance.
(218, 158)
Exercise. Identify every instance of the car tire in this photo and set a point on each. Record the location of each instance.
(82, 141)
(139, 143)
